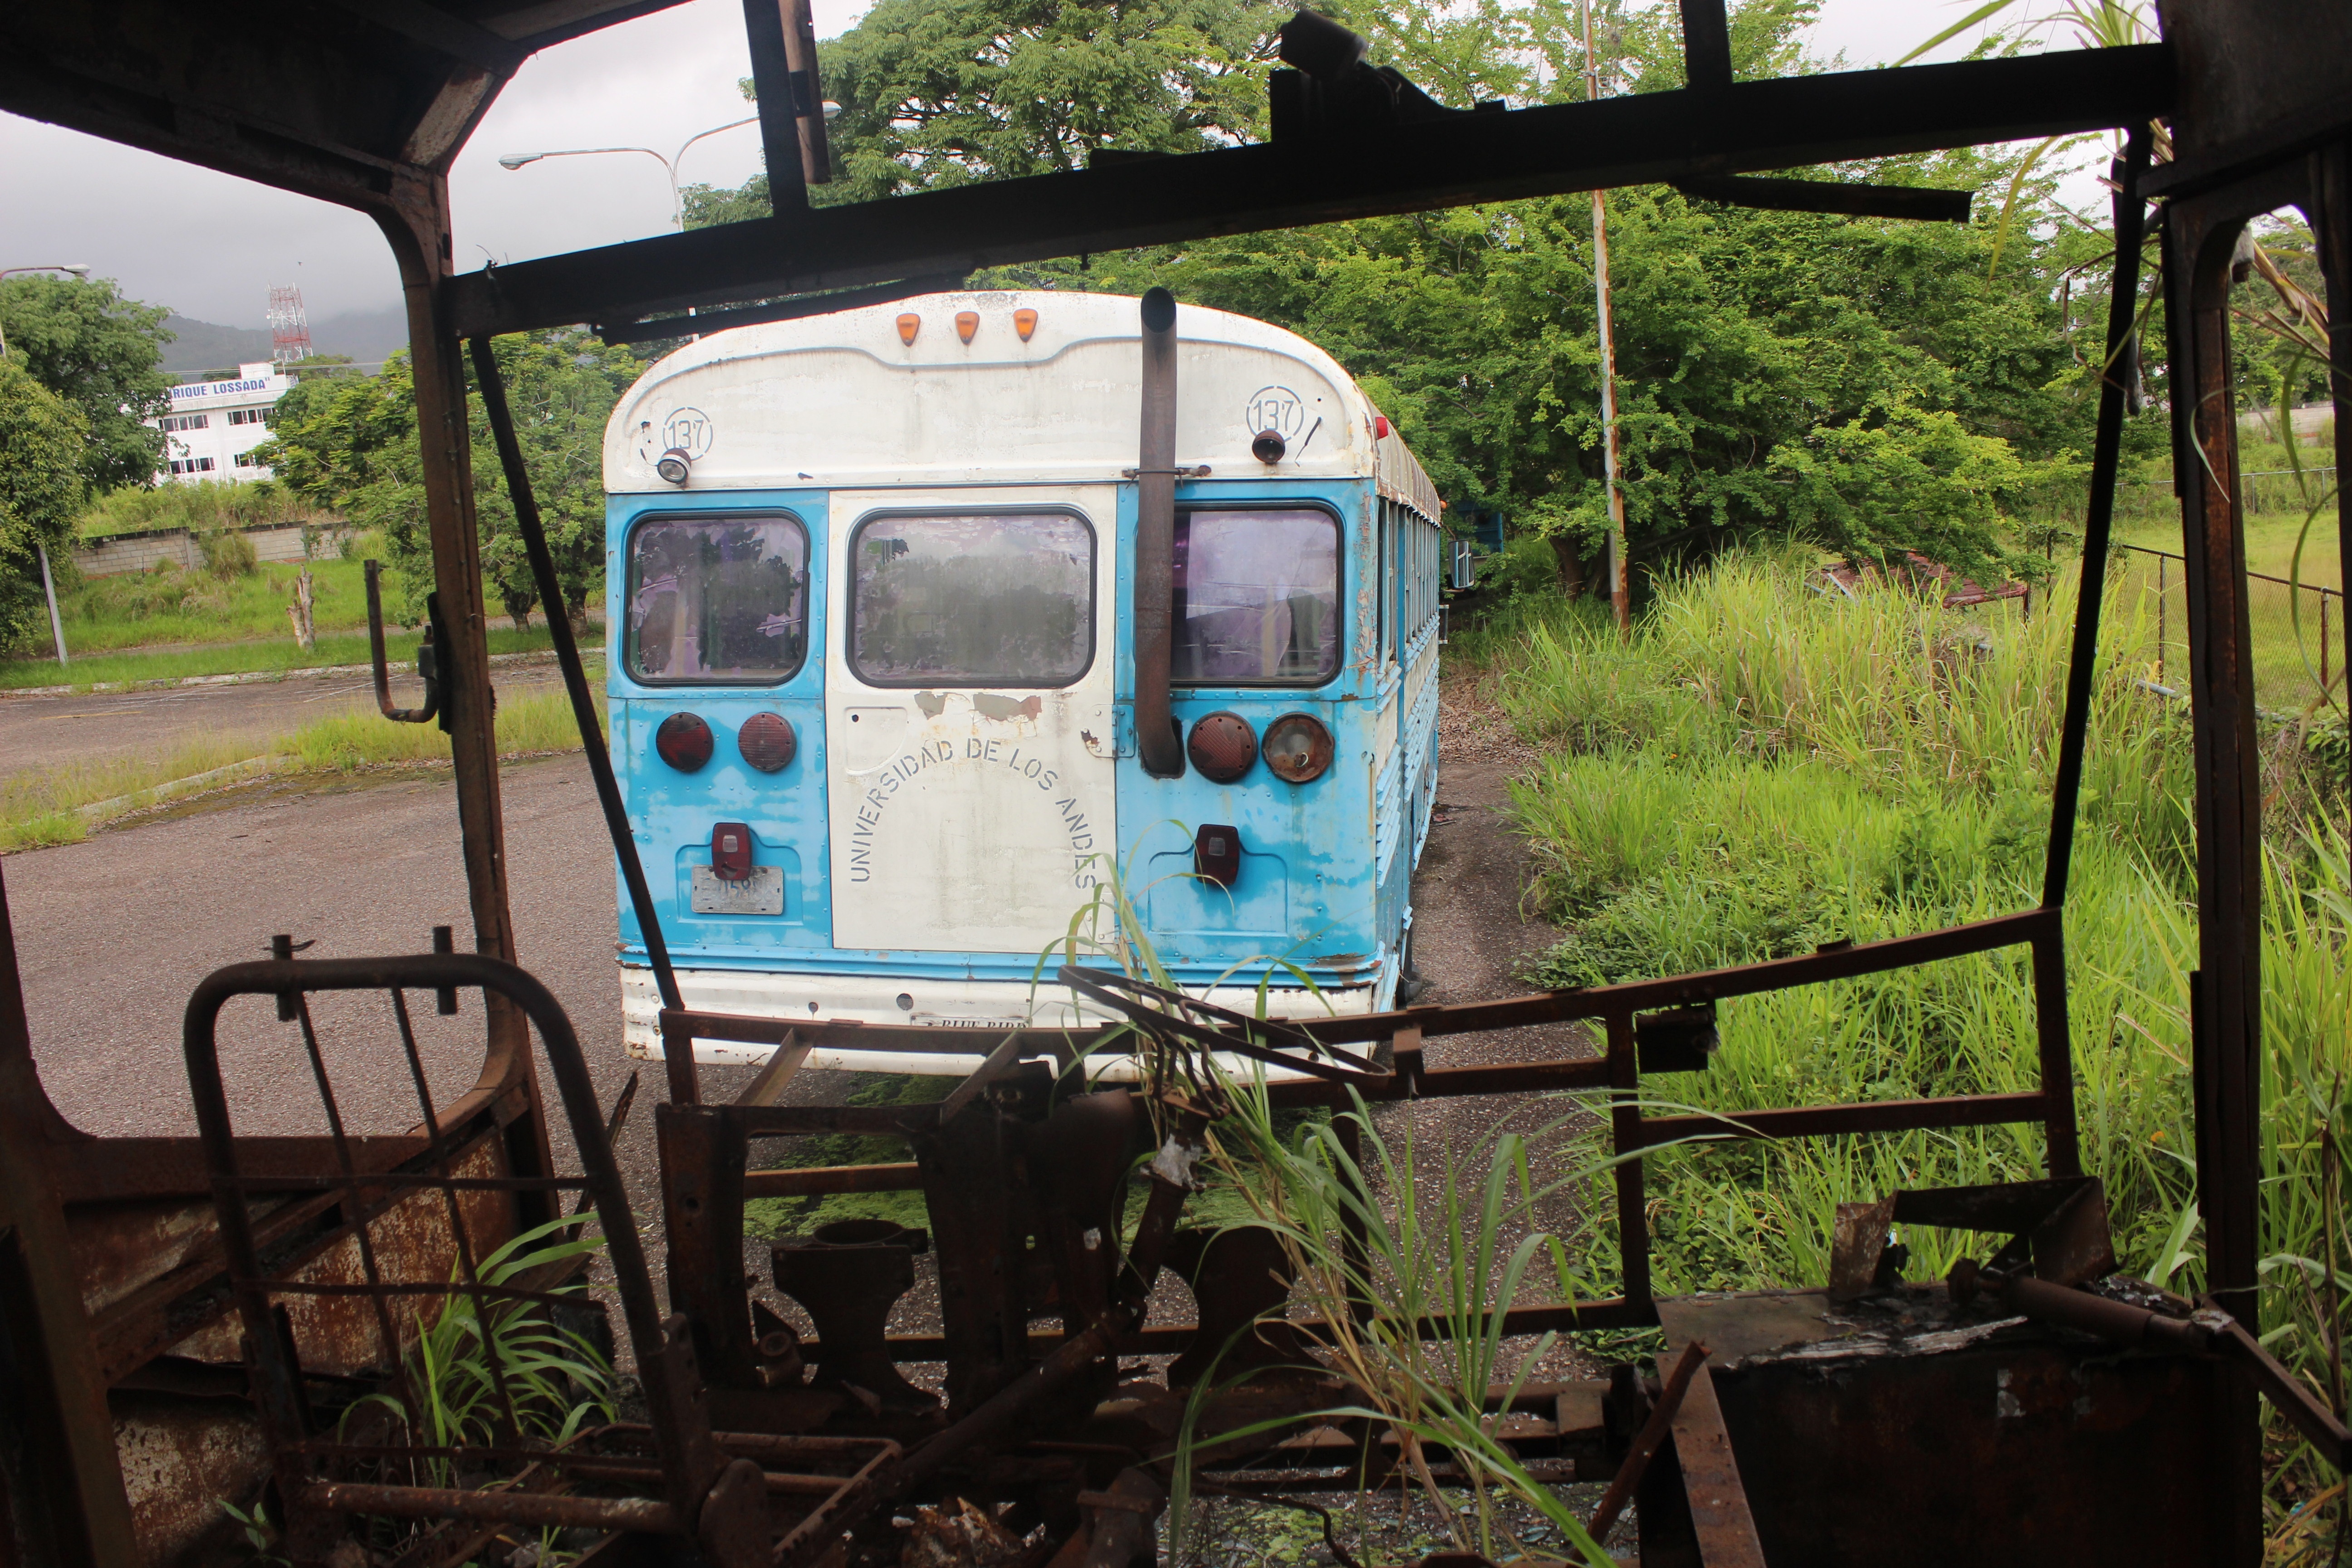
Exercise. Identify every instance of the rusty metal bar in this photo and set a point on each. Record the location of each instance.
(1645, 1443)
(2055, 1046)
(1625, 1132)
(2201, 237)
(510, 1422)
(59, 1397)
(812, 1181)
(361, 1219)
(576, 677)
(1637, 139)
(383, 672)
(1833, 1121)
(1719, 1502)
(2117, 372)
(544, 1510)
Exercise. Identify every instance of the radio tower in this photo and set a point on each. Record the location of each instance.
(290, 329)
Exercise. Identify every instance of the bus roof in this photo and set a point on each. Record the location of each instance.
(901, 394)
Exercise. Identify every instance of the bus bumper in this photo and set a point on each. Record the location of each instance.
(978, 1010)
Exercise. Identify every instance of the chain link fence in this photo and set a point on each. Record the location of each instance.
(2298, 630)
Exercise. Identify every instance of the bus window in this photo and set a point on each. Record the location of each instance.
(717, 600)
(1257, 597)
(972, 599)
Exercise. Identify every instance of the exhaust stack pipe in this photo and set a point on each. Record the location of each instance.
(1156, 741)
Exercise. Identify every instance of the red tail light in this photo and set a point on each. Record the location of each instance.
(1223, 746)
(767, 742)
(684, 742)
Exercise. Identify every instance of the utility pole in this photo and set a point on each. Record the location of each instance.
(1609, 459)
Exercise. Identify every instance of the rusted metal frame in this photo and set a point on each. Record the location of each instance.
(765, 33)
(437, 1155)
(279, 1399)
(590, 1466)
(1539, 151)
(143, 1325)
(2116, 373)
(1646, 1442)
(828, 1516)
(1706, 45)
(2201, 235)
(1835, 1121)
(703, 1152)
(2290, 1396)
(379, 666)
(991, 1068)
(679, 1070)
(791, 309)
(416, 223)
(387, 1334)
(576, 675)
(378, 1181)
(2330, 213)
(75, 1496)
(512, 1507)
(1710, 1474)
(817, 1180)
(1913, 202)
(1625, 1134)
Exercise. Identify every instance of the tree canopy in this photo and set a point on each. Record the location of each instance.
(350, 443)
(1873, 385)
(41, 487)
(103, 353)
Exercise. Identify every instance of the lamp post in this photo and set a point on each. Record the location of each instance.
(49, 583)
(669, 164)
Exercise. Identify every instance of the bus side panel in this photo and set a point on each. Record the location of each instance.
(673, 814)
(1306, 894)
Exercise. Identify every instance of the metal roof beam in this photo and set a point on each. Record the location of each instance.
(1648, 138)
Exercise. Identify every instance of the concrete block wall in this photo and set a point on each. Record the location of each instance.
(122, 552)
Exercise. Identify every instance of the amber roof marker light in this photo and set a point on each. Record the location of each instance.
(1024, 323)
(967, 324)
(908, 325)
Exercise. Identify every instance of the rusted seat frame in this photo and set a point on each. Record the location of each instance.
(688, 1461)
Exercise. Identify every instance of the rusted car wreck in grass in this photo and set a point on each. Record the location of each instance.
(183, 1319)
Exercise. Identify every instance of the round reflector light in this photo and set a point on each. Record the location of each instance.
(1268, 446)
(767, 742)
(1223, 747)
(684, 742)
(1298, 747)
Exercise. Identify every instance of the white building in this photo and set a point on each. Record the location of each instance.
(214, 426)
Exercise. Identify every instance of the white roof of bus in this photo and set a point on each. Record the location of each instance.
(842, 399)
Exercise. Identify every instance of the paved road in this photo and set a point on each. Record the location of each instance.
(113, 933)
(50, 732)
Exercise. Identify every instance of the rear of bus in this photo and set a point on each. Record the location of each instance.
(872, 674)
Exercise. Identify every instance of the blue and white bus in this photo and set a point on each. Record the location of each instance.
(876, 666)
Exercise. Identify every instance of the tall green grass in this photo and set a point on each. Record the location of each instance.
(1765, 767)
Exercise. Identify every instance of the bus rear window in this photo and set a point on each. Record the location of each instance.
(972, 599)
(1257, 597)
(717, 600)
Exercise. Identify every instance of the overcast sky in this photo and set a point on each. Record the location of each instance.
(210, 246)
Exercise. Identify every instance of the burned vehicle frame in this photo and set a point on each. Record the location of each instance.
(166, 1294)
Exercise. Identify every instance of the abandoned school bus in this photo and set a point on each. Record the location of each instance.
(896, 683)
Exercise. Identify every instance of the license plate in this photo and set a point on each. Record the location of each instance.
(763, 893)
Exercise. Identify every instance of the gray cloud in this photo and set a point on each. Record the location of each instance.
(210, 246)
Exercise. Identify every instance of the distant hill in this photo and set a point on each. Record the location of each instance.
(367, 336)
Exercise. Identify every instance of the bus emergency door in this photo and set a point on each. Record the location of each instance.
(969, 711)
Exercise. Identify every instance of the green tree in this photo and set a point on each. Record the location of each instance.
(350, 443)
(103, 353)
(41, 487)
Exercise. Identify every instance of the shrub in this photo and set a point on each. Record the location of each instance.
(227, 554)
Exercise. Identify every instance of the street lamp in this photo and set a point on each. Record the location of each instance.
(511, 161)
(669, 164)
(49, 583)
